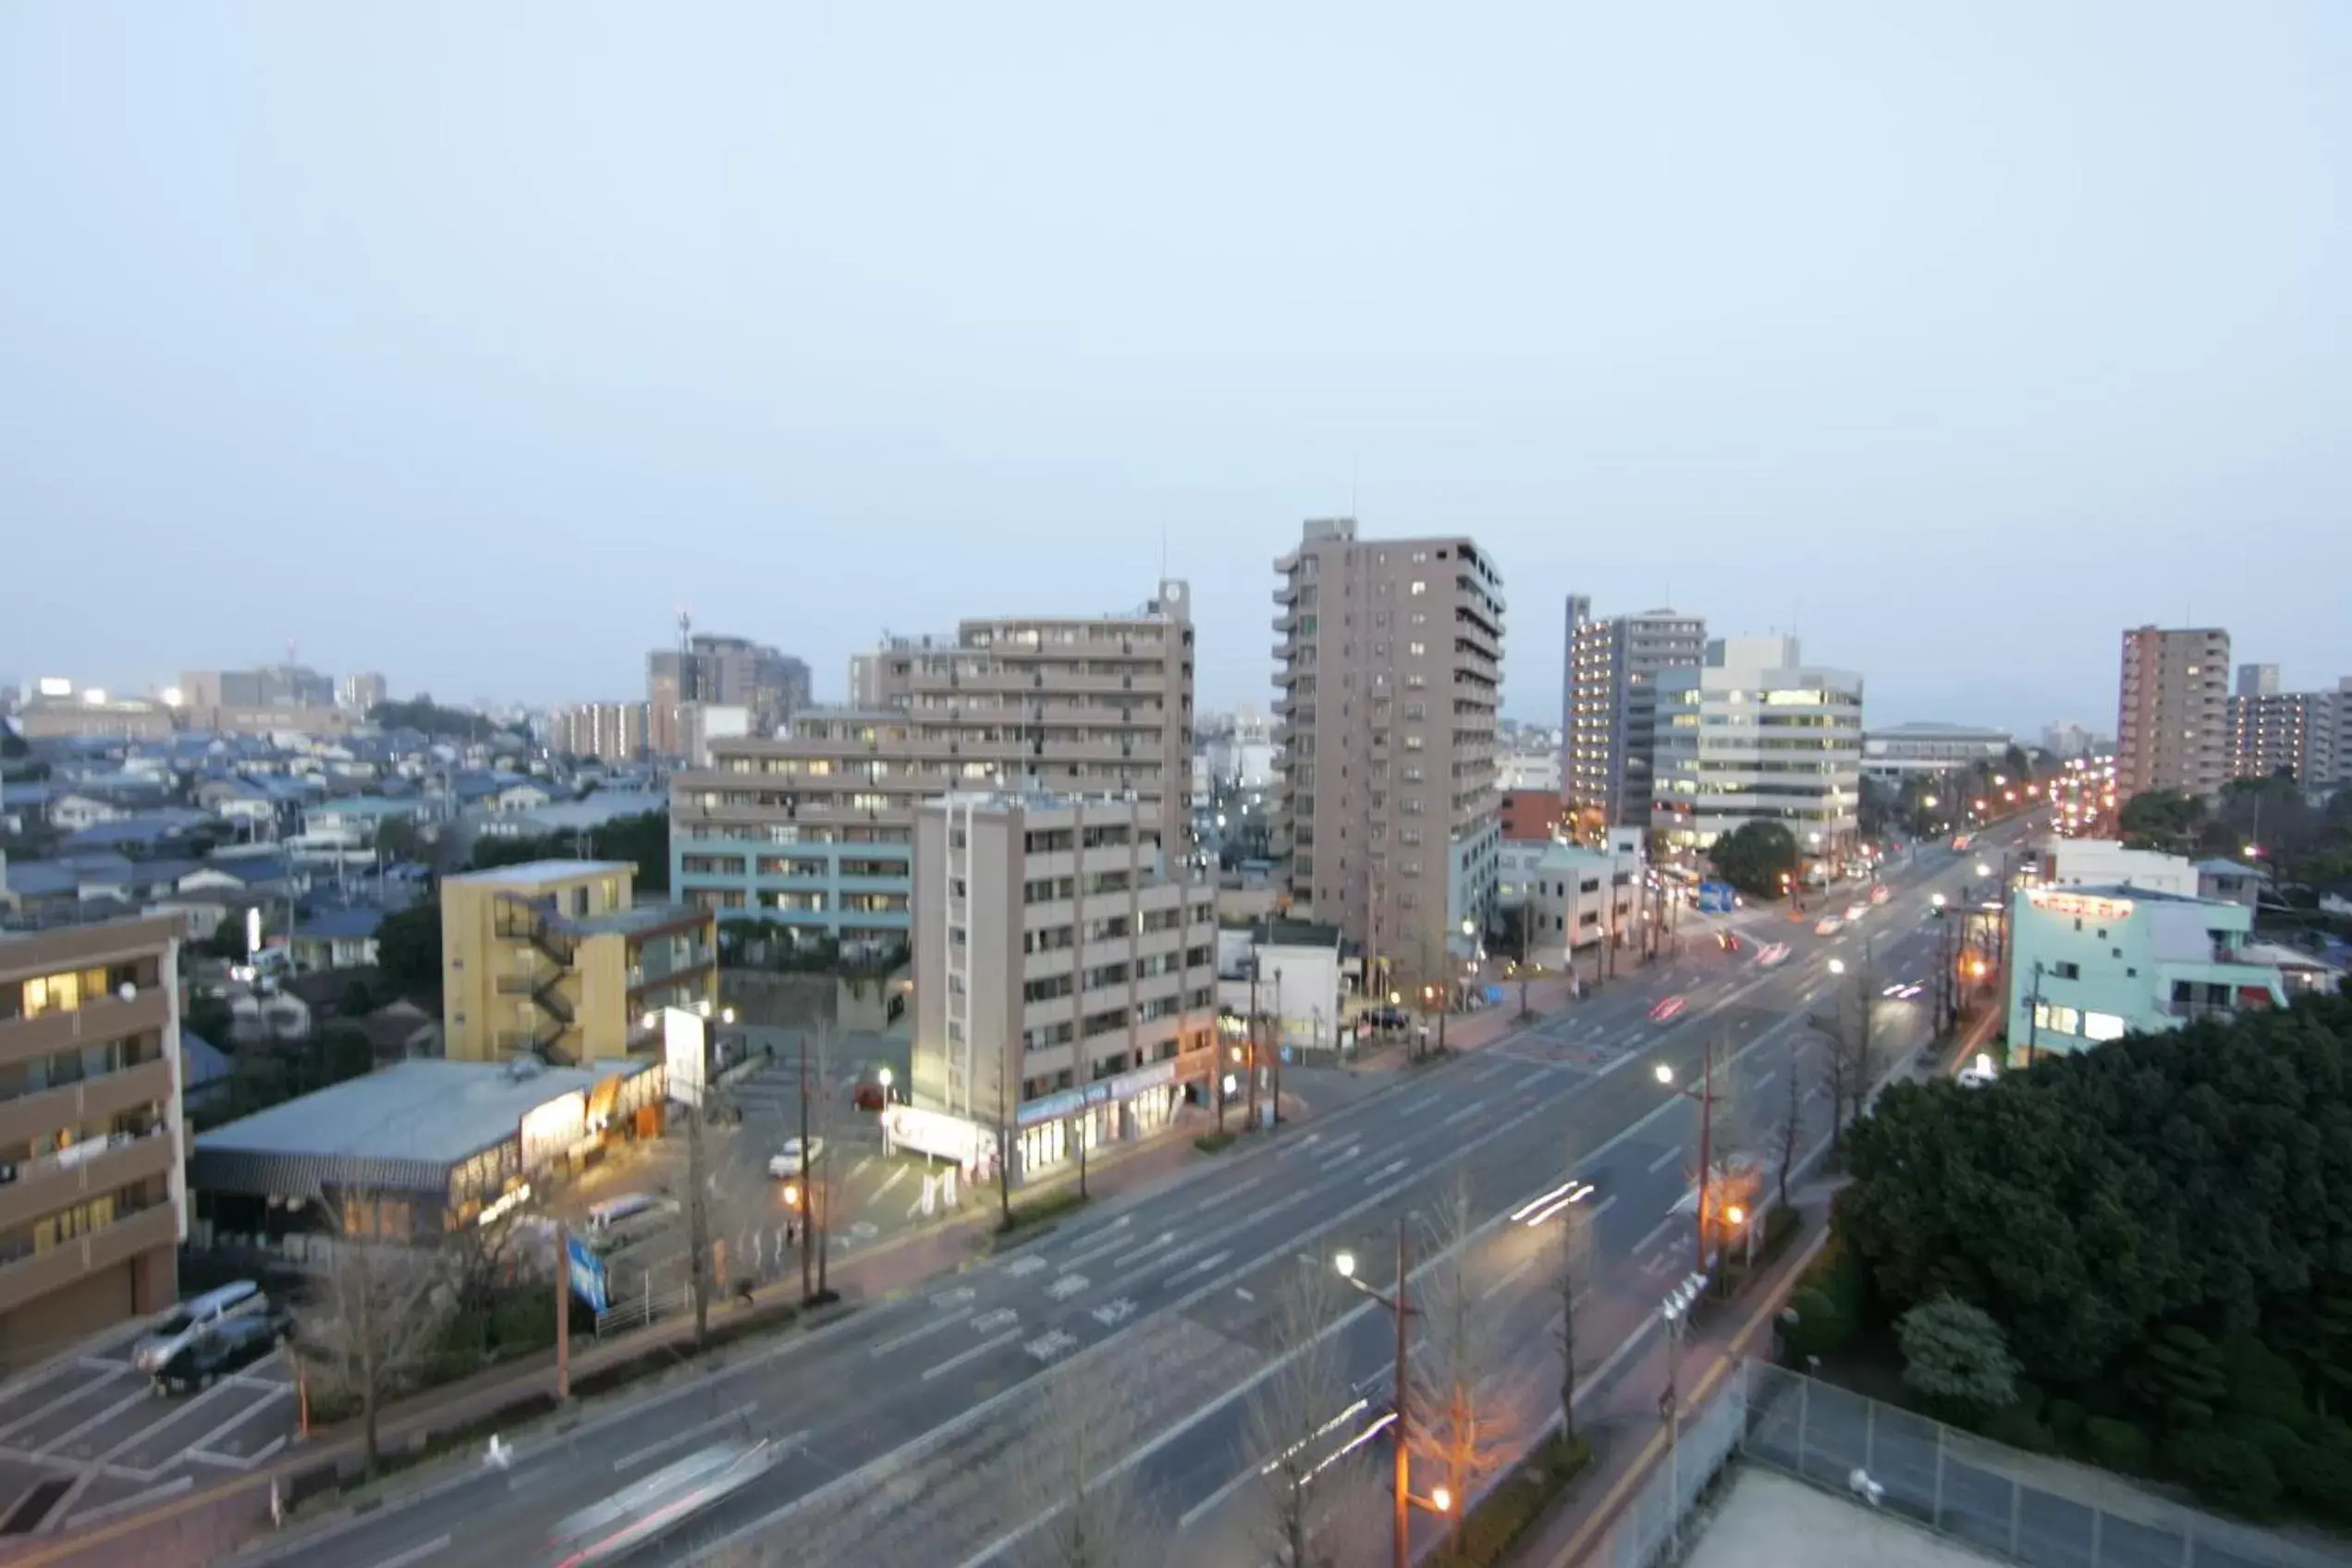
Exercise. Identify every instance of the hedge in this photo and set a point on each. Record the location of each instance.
(1517, 1501)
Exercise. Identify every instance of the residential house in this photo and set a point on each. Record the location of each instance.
(165, 831)
(335, 938)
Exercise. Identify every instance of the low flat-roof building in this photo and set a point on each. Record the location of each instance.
(416, 1149)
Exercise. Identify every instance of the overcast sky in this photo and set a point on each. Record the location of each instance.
(468, 342)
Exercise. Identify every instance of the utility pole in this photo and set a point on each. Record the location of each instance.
(808, 1209)
(1403, 1384)
(817, 1186)
(698, 1220)
(1251, 1120)
(563, 1312)
(2033, 1019)
(1278, 1046)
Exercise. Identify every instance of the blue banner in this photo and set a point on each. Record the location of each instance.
(1715, 897)
(588, 1275)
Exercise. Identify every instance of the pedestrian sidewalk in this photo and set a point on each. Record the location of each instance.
(1626, 1422)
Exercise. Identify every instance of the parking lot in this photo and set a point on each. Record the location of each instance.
(87, 1436)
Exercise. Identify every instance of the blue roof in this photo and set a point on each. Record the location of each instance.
(248, 869)
(339, 923)
(40, 879)
(29, 794)
(146, 827)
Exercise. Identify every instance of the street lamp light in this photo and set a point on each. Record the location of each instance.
(1704, 1095)
(1441, 1499)
(1837, 966)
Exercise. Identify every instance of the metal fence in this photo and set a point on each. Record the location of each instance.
(1962, 1485)
(1641, 1533)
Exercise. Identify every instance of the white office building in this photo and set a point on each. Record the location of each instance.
(1755, 734)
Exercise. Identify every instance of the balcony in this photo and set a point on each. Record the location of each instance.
(29, 1274)
(59, 1180)
(106, 1017)
(94, 1100)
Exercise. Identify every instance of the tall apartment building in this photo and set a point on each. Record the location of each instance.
(611, 732)
(1609, 730)
(1755, 734)
(1065, 981)
(2172, 725)
(362, 692)
(94, 1206)
(814, 827)
(724, 671)
(557, 959)
(271, 686)
(2297, 732)
(1389, 681)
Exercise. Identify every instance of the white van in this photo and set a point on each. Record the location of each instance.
(614, 1212)
(196, 1317)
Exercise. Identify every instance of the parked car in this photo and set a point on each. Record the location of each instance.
(195, 1317)
(1827, 926)
(793, 1160)
(227, 1347)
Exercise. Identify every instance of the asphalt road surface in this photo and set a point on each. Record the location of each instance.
(906, 1431)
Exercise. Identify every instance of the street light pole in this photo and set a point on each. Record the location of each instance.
(1704, 1095)
(1401, 1310)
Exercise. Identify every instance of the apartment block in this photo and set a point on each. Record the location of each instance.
(92, 1207)
(814, 827)
(611, 732)
(1065, 978)
(271, 686)
(557, 959)
(1609, 743)
(2298, 734)
(362, 692)
(720, 671)
(2172, 725)
(1389, 681)
(1755, 734)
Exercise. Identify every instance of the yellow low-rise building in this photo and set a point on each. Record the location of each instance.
(554, 958)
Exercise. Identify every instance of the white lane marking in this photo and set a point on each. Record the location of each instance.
(1501, 1285)
(1656, 1231)
(1243, 1293)
(1022, 1268)
(1817, 1093)
(887, 1346)
(1211, 1261)
(1663, 1160)
(1112, 1314)
(859, 1169)
(1163, 1238)
(1332, 1165)
(1067, 1286)
(955, 1297)
(661, 1445)
(1660, 1263)
(1465, 1113)
(990, 1322)
(896, 1177)
(433, 1548)
(1052, 1345)
(1109, 1245)
(1239, 1187)
(983, 1348)
(1386, 1171)
(1763, 1083)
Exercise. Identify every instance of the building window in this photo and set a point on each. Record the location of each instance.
(2102, 1026)
(1419, 588)
(2067, 971)
(1417, 650)
(2057, 1020)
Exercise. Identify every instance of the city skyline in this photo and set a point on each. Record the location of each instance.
(2055, 321)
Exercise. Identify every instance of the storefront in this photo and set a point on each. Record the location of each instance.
(1051, 1131)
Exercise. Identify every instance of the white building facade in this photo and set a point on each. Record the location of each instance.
(1757, 735)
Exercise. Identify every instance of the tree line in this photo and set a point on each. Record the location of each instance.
(2149, 1246)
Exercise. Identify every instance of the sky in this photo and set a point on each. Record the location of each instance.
(472, 343)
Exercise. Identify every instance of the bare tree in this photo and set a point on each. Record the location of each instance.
(698, 1229)
(375, 1312)
(1792, 1122)
(816, 1171)
(1072, 1504)
(1467, 1414)
(1570, 1265)
(1317, 1508)
(1004, 1155)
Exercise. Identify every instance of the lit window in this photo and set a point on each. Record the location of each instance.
(2102, 1026)
(1420, 587)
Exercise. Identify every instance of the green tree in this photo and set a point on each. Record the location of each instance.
(1954, 1352)
(1753, 857)
(2161, 819)
(408, 948)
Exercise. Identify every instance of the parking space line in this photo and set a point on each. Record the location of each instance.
(238, 1419)
(65, 1399)
(124, 1505)
(57, 1443)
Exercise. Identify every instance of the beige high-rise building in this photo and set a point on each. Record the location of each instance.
(1389, 683)
(613, 732)
(93, 1208)
(2172, 725)
(1065, 971)
(814, 827)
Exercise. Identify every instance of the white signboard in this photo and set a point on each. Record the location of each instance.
(685, 1054)
(934, 1132)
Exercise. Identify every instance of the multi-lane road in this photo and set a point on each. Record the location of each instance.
(913, 1431)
